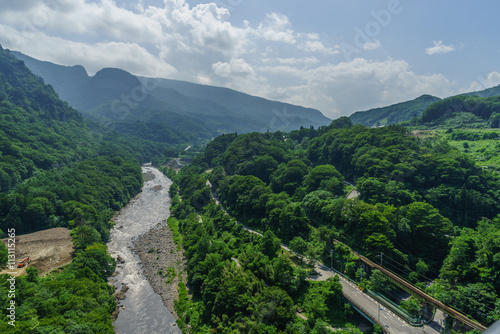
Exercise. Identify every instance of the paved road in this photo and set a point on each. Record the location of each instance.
(392, 323)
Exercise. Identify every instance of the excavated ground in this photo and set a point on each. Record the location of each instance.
(47, 250)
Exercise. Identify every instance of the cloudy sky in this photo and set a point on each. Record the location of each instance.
(339, 56)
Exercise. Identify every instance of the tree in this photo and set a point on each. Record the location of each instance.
(4, 254)
(270, 244)
(262, 167)
(289, 176)
(421, 267)
(294, 221)
(428, 231)
(97, 259)
(274, 307)
(32, 274)
(325, 177)
(298, 245)
(313, 204)
(84, 236)
(377, 243)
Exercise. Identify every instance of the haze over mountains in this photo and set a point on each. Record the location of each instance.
(168, 110)
(175, 112)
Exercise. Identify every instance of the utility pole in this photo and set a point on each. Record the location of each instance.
(331, 258)
(381, 258)
(379, 308)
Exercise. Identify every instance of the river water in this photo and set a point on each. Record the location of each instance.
(144, 311)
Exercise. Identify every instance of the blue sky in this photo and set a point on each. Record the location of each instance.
(339, 56)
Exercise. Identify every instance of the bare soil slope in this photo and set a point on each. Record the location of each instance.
(47, 250)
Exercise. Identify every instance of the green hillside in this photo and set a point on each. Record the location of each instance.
(407, 111)
(463, 111)
(56, 167)
(482, 145)
(59, 170)
(395, 113)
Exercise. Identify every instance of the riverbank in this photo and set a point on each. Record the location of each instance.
(163, 264)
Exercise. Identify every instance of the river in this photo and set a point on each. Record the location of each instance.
(144, 311)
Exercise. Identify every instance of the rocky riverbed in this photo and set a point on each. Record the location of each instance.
(141, 310)
(163, 263)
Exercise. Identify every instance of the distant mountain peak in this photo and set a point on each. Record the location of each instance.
(115, 79)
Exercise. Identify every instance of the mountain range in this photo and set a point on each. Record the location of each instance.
(167, 110)
(178, 112)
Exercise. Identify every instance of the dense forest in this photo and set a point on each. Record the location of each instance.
(424, 206)
(55, 167)
(464, 111)
(242, 282)
(77, 299)
(58, 170)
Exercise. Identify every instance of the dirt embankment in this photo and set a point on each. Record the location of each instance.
(164, 265)
(47, 250)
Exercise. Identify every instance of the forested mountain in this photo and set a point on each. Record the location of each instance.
(493, 91)
(54, 165)
(395, 113)
(59, 170)
(411, 111)
(463, 111)
(418, 196)
(168, 110)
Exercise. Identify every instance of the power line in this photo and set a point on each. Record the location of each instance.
(387, 256)
(427, 278)
(469, 298)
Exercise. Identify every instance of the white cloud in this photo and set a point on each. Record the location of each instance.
(291, 61)
(276, 28)
(82, 18)
(199, 44)
(493, 79)
(373, 45)
(317, 46)
(439, 48)
(341, 89)
(130, 56)
(237, 67)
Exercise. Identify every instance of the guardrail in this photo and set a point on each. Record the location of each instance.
(395, 308)
(359, 307)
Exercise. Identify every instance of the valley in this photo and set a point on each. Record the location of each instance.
(117, 245)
